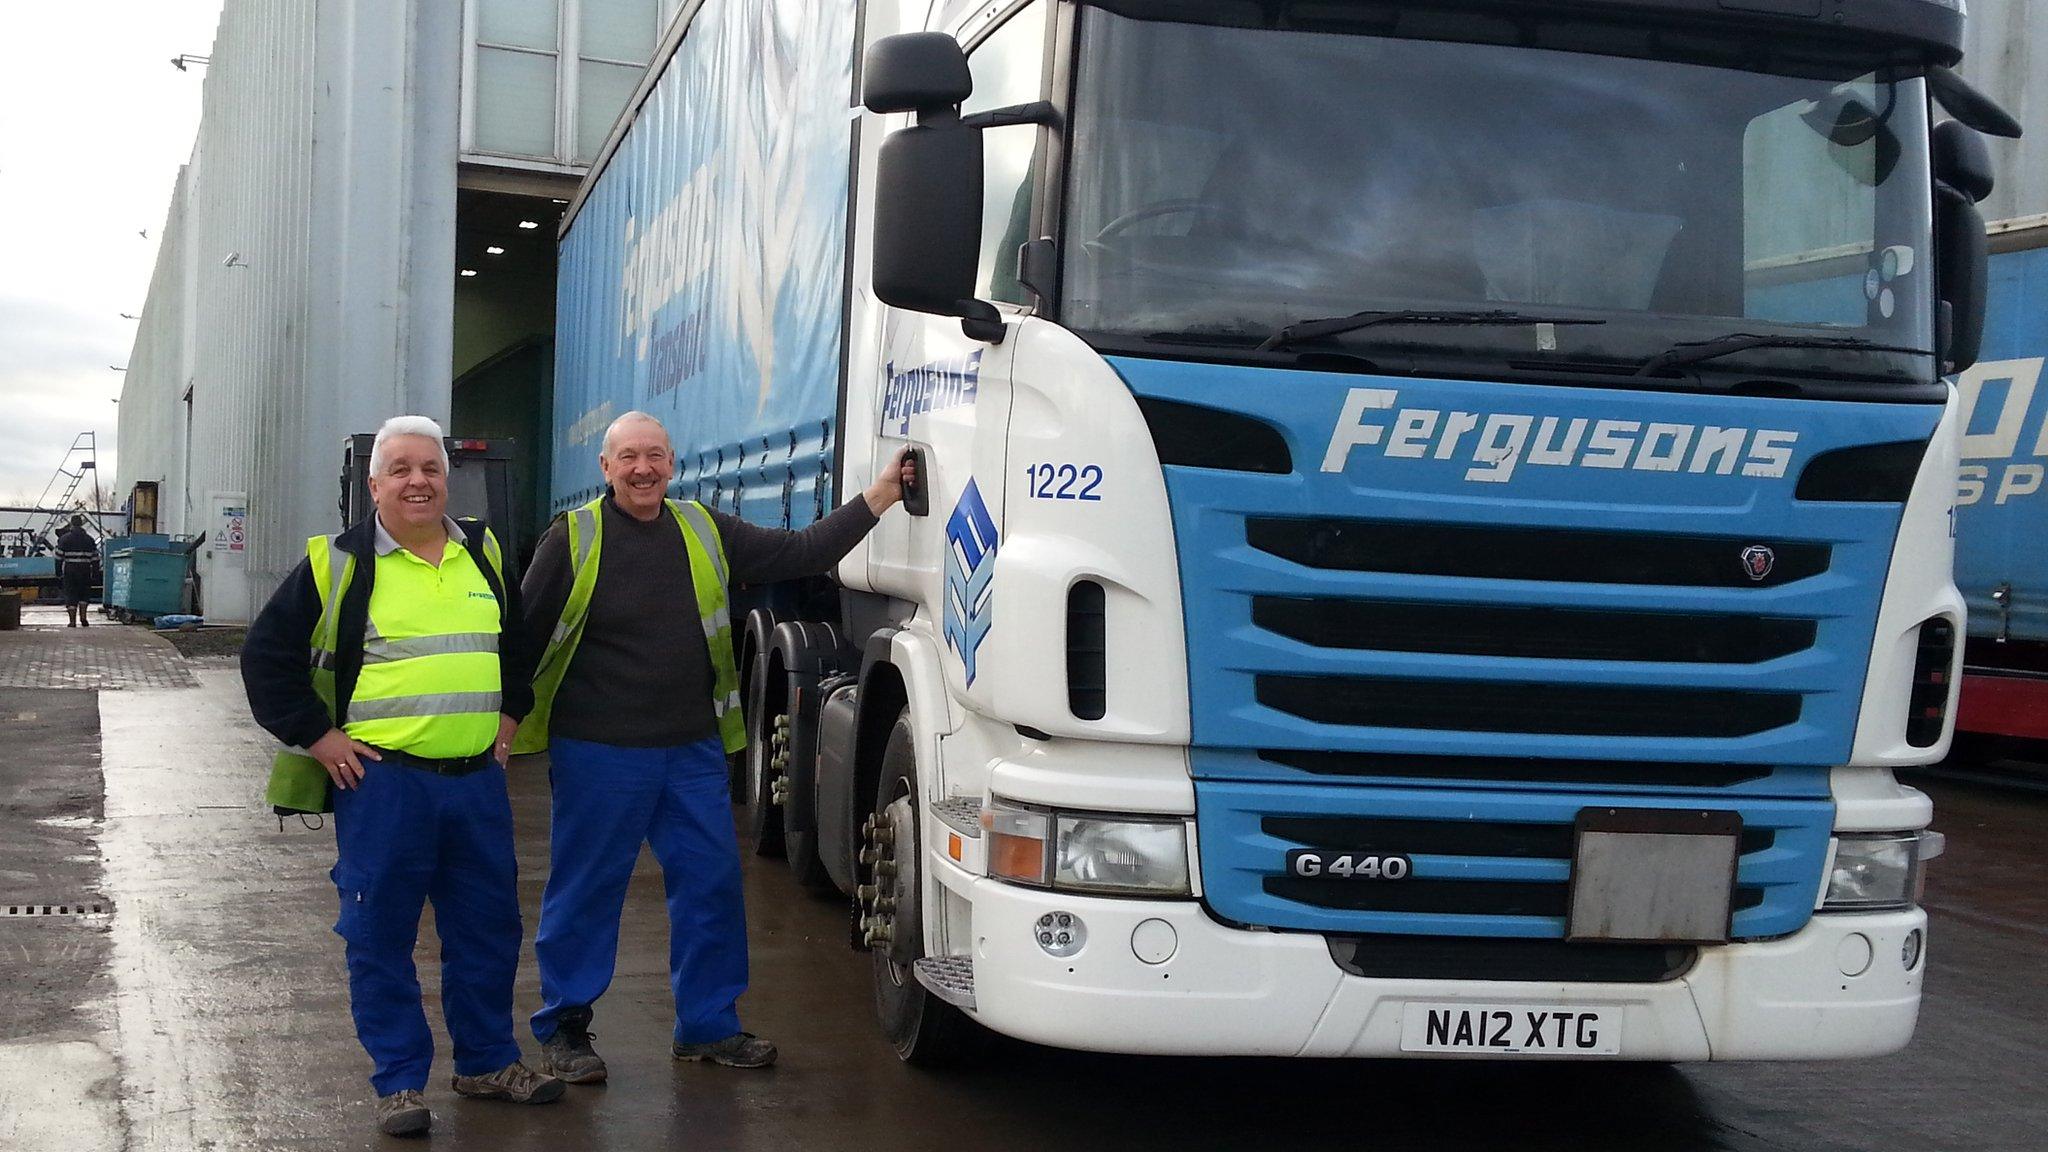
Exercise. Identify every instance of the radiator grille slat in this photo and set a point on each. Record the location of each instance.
(1560, 555)
(1532, 633)
(1446, 897)
(1531, 770)
(1448, 837)
(1542, 709)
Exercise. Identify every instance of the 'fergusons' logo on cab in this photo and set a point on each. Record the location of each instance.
(1498, 443)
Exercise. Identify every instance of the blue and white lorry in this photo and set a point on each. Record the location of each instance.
(1437, 522)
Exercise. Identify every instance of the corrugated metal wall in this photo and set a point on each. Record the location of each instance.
(226, 314)
(304, 287)
(150, 419)
(252, 197)
(2006, 55)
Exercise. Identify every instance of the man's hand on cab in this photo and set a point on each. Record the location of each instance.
(888, 487)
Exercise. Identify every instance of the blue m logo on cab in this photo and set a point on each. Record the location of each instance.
(970, 564)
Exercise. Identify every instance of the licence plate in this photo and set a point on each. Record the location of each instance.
(1511, 1029)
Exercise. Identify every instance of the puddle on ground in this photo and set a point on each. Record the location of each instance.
(67, 822)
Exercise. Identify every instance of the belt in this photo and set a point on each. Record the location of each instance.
(456, 766)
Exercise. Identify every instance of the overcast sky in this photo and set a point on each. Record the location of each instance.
(94, 122)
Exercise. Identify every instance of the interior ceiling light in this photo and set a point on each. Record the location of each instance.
(468, 272)
(529, 224)
(494, 250)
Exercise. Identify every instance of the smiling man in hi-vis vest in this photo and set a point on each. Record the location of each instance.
(391, 663)
(638, 703)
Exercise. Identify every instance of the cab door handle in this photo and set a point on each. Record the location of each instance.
(917, 496)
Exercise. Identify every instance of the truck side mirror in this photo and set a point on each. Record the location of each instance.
(928, 225)
(915, 72)
(928, 182)
(1962, 179)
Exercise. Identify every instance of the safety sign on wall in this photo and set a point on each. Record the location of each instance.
(227, 535)
(234, 529)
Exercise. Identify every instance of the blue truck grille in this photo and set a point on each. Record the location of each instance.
(1391, 644)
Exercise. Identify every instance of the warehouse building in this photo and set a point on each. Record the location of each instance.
(366, 226)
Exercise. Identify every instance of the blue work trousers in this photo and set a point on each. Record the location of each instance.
(608, 800)
(406, 836)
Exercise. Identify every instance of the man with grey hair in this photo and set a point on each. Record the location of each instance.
(637, 702)
(391, 665)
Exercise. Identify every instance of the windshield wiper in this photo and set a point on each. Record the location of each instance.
(1338, 325)
(1699, 351)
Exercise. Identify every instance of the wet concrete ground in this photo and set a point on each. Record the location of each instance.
(212, 1014)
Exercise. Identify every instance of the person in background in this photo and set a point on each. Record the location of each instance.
(77, 552)
(637, 702)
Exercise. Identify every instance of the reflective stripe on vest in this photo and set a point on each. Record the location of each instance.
(429, 704)
(708, 573)
(382, 651)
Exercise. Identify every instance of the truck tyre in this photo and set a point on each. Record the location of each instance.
(923, 1029)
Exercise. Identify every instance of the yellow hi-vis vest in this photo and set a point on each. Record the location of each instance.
(428, 684)
(707, 573)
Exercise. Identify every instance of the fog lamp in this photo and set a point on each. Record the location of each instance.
(1060, 934)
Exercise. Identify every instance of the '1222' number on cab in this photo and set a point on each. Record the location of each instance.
(1060, 481)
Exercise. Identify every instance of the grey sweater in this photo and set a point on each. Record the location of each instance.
(641, 675)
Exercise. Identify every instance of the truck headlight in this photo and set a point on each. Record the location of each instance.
(1878, 871)
(1076, 853)
(1095, 854)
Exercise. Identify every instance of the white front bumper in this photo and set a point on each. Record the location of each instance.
(1227, 991)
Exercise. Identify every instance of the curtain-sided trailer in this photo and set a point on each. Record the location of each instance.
(2002, 500)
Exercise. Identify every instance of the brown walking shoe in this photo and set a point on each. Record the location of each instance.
(403, 1113)
(739, 1050)
(514, 1082)
(568, 1053)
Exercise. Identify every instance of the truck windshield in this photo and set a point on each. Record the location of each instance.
(1226, 182)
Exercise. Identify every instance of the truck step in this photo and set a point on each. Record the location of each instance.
(962, 814)
(950, 978)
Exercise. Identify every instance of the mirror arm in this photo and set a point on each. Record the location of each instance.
(979, 320)
(1966, 103)
(1040, 112)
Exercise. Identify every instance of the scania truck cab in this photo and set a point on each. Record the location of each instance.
(1436, 522)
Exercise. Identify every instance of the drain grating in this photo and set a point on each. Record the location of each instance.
(88, 908)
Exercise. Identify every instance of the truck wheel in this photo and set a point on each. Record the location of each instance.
(923, 1029)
